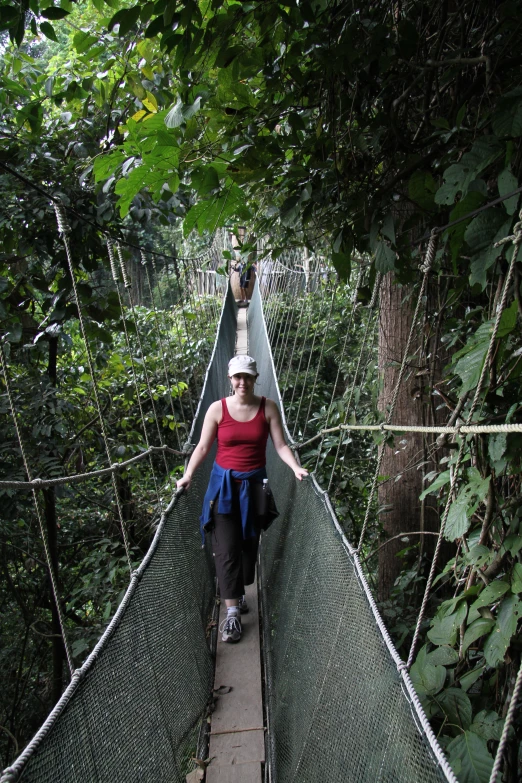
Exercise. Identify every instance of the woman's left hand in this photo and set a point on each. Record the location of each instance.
(300, 473)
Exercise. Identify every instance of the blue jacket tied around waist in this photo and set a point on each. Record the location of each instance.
(220, 483)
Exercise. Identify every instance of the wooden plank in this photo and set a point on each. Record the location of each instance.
(239, 773)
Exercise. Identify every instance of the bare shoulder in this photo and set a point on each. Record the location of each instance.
(271, 409)
(215, 411)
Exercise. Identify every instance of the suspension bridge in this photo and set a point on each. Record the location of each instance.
(339, 704)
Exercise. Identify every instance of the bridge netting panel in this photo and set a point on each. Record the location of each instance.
(338, 706)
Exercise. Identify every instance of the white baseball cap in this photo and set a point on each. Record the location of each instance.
(242, 363)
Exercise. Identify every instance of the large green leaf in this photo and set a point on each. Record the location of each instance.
(507, 183)
(421, 189)
(495, 647)
(385, 257)
(478, 628)
(428, 679)
(487, 725)
(470, 758)
(456, 706)
(444, 629)
(469, 366)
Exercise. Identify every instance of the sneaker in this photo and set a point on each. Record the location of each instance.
(243, 606)
(231, 628)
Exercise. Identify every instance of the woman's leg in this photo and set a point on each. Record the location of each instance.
(227, 546)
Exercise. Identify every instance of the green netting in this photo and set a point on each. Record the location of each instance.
(134, 714)
(339, 703)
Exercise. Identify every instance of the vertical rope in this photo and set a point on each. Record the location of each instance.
(516, 239)
(63, 228)
(39, 514)
(342, 354)
(114, 272)
(344, 435)
(430, 255)
(508, 722)
(127, 285)
(320, 359)
(323, 301)
(161, 346)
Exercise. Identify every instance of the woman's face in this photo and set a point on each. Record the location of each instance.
(242, 382)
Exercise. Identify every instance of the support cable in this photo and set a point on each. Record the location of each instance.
(64, 230)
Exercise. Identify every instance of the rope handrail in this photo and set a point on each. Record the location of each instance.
(464, 429)
(76, 478)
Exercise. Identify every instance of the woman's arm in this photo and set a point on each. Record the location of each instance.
(208, 436)
(273, 418)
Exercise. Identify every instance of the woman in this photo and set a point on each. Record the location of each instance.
(241, 424)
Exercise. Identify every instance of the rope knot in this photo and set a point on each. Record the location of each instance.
(63, 226)
(402, 667)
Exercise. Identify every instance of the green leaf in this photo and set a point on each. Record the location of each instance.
(441, 480)
(458, 521)
(48, 30)
(487, 725)
(470, 678)
(290, 211)
(83, 41)
(470, 758)
(507, 120)
(507, 182)
(427, 678)
(456, 234)
(443, 656)
(516, 579)
(478, 628)
(53, 13)
(495, 647)
(174, 118)
(385, 257)
(508, 319)
(469, 366)
(456, 706)
(343, 264)
(444, 629)
(126, 18)
(490, 594)
(421, 190)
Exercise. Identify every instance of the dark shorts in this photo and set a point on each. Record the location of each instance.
(234, 557)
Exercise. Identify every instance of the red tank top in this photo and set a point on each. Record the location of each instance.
(242, 444)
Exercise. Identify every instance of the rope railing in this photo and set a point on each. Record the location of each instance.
(76, 478)
(464, 429)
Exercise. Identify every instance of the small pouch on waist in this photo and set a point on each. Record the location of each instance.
(264, 505)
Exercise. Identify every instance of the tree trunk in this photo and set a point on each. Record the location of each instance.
(399, 494)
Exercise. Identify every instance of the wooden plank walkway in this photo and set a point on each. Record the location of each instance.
(237, 737)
